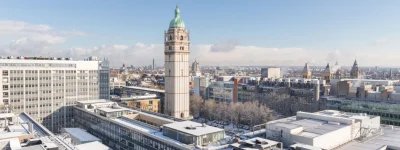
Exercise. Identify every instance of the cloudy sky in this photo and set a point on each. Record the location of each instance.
(224, 32)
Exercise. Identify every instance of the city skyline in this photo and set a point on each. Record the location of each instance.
(257, 33)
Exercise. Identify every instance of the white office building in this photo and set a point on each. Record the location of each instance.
(42, 87)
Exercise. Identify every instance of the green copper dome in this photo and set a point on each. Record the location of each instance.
(177, 22)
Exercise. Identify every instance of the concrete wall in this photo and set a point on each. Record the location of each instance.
(305, 115)
(333, 139)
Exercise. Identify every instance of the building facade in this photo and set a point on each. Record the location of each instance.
(45, 87)
(271, 72)
(318, 129)
(104, 79)
(147, 102)
(125, 129)
(177, 68)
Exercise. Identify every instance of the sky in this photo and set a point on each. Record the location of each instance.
(223, 32)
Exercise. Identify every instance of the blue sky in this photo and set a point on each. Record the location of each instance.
(320, 31)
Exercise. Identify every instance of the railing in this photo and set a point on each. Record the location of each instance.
(50, 134)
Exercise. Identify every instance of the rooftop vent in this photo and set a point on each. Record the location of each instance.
(190, 128)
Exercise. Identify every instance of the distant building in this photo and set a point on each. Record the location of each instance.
(367, 89)
(221, 91)
(337, 71)
(307, 72)
(147, 102)
(388, 111)
(195, 70)
(200, 86)
(355, 71)
(271, 73)
(327, 74)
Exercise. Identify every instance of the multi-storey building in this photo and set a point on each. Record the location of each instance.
(272, 72)
(122, 129)
(146, 102)
(330, 129)
(44, 87)
(177, 68)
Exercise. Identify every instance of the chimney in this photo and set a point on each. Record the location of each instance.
(235, 90)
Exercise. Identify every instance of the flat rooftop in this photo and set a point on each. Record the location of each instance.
(92, 145)
(93, 101)
(390, 137)
(145, 89)
(108, 109)
(21, 131)
(148, 130)
(311, 128)
(193, 128)
(81, 134)
(318, 123)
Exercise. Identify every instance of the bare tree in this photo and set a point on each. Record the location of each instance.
(196, 105)
(248, 113)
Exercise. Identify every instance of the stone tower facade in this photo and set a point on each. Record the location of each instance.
(177, 68)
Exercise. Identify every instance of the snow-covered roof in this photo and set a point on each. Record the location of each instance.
(80, 134)
(92, 145)
(193, 128)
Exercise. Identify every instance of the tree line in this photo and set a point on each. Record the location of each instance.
(245, 113)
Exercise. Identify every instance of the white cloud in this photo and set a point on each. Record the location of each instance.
(22, 38)
(136, 54)
(42, 40)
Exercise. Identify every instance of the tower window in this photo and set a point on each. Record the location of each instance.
(170, 37)
(170, 47)
(181, 37)
(169, 72)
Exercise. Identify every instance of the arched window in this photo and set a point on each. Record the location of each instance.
(169, 71)
(170, 47)
(181, 37)
(170, 37)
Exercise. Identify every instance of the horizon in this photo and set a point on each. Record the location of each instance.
(228, 33)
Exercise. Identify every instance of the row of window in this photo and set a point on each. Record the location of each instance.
(180, 48)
